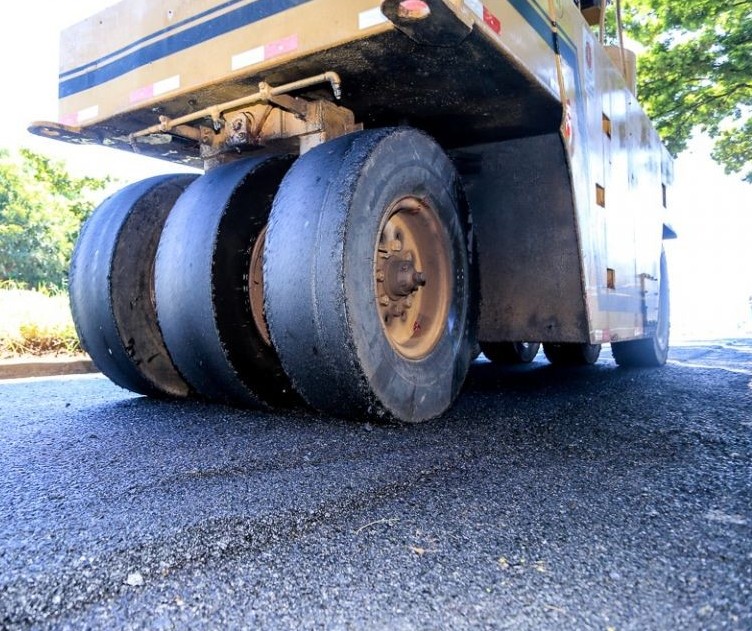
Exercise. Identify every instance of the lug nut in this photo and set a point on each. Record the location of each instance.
(384, 300)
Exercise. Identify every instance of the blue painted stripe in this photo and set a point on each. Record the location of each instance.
(116, 53)
(540, 23)
(238, 18)
(544, 27)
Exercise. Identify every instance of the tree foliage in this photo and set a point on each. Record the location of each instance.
(697, 73)
(41, 210)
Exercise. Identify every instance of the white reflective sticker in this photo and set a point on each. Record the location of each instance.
(167, 85)
(476, 6)
(372, 17)
(248, 58)
(88, 113)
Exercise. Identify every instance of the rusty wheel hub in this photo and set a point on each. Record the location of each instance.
(413, 281)
(256, 286)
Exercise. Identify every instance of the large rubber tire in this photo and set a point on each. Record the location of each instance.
(510, 352)
(572, 354)
(321, 259)
(651, 352)
(112, 286)
(202, 285)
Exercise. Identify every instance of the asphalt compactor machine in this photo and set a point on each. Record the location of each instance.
(386, 189)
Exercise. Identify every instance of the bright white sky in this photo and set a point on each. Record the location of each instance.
(711, 262)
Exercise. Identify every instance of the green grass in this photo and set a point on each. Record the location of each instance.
(34, 322)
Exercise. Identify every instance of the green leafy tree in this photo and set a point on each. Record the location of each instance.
(696, 72)
(41, 211)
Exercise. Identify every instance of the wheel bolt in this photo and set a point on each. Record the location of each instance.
(380, 276)
(384, 300)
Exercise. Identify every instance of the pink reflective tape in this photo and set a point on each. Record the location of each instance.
(142, 94)
(281, 47)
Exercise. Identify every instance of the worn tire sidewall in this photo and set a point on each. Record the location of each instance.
(110, 283)
(201, 284)
(407, 163)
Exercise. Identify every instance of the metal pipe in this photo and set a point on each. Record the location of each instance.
(265, 92)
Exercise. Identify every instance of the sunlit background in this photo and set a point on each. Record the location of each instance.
(711, 262)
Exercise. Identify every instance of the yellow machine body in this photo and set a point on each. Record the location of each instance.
(566, 178)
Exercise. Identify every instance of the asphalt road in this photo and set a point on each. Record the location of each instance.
(593, 498)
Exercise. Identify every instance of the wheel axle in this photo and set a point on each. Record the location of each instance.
(401, 278)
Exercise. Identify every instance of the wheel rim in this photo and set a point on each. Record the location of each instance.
(256, 286)
(413, 285)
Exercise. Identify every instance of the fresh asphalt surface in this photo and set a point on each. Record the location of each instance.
(545, 499)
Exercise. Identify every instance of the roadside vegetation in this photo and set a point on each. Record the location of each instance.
(694, 73)
(42, 208)
(35, 322)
